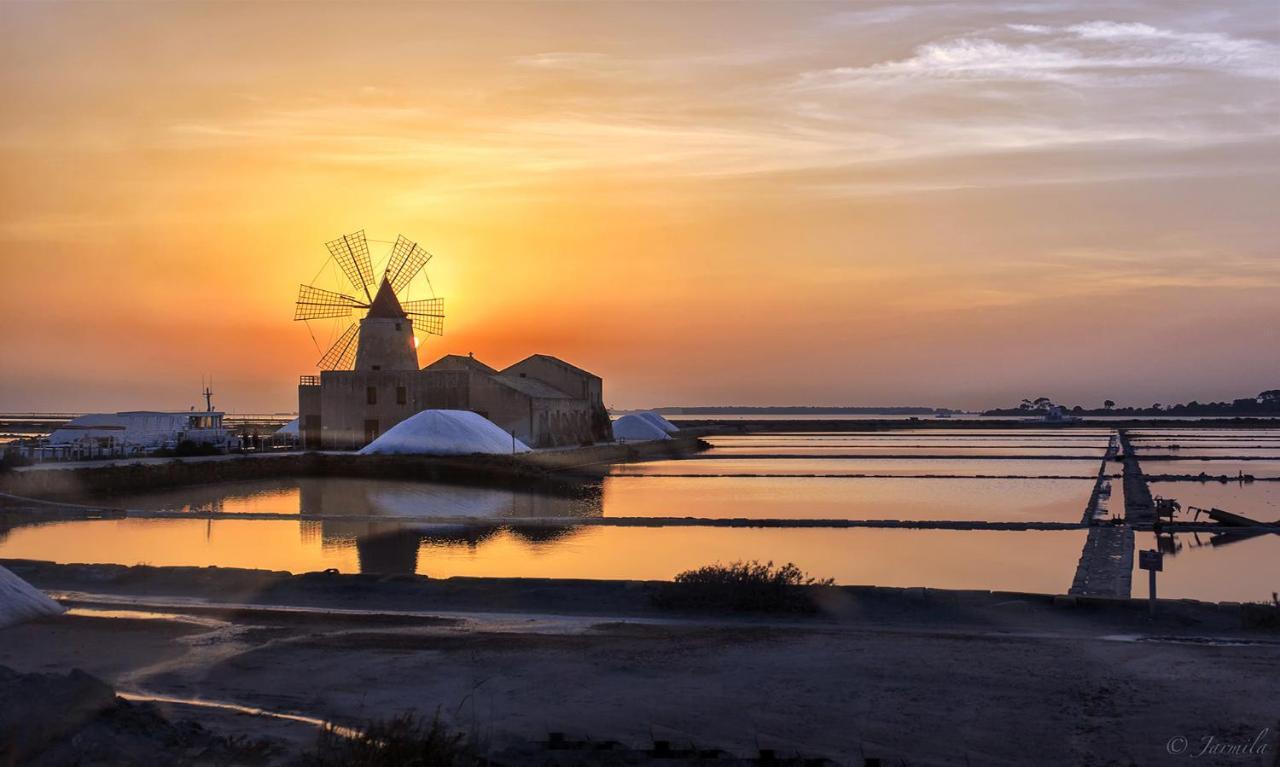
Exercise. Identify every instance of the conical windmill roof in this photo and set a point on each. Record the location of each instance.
(385, 304)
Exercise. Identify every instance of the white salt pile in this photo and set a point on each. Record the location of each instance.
(290, 429)
(633, 427)
(659, 421)
(445, 432)
(20, 601)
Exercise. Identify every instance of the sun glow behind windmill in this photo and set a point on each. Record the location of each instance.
(381, 301)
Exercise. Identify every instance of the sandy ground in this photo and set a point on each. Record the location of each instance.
(1056, 689)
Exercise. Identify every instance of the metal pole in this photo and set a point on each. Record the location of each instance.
(1152, 600)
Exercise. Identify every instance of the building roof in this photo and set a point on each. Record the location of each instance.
(385, 304)
(556, 360)
(459, 362)
(531, 386)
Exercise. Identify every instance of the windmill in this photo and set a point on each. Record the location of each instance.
(383, 339)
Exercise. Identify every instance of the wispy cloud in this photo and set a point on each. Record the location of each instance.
(1076, 85)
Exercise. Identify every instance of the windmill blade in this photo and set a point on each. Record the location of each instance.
(342, 355)
(351, 251)
(317, 304)
(407, 259)
(427, 316)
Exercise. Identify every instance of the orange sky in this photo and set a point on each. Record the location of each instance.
(866, 203)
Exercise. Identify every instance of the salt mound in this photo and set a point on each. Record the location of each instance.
(290, 429)
(659, 421)
(445, 432)
(20, 601)
(633, 427)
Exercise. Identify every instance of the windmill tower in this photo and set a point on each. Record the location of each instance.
(383, 339)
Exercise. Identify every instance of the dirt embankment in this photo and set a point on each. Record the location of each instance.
(912, 675)
(573, 597)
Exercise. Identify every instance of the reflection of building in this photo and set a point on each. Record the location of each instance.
(387, 546)
(542, 400)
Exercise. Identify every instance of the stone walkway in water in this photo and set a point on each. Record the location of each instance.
(1106, 562)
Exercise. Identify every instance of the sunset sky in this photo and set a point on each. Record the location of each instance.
(954, 204)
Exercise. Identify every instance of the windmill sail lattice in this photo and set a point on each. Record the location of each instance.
(351, 252)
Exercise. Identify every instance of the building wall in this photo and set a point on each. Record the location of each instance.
(562, 422)
(386, 344)
(349, 420)
(574, 382)
(562, 376)
(309, 415)
(511, 410)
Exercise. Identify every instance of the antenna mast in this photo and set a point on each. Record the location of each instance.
(208, 397)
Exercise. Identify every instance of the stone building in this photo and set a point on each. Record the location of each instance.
(542, 400)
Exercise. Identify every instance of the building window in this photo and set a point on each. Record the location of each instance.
(400, 395)
(397, 326)
(372, 395)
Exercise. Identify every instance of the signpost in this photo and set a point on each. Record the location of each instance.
(1153, 562)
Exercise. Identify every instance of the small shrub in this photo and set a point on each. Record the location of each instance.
(406, 739)
(741, 587)
(12, 458)
(1261, 615)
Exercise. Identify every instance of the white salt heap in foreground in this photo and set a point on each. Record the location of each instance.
(20, 601)
(659, 421)
(631, 428)
(445, 432)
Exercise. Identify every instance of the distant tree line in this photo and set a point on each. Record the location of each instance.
(1266, 403)
(801, 410)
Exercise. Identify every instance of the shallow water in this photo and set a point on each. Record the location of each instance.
(1020, 500)
(1035, 561)
(1264, 469)
(905, 451)
(1256, 500)
(721, 497)
(356, 497)
(1250, 451)
(903, 467)
(1213, 568)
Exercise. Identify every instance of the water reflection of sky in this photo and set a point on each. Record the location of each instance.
(752, 497)
(1035, 561)
(1231, 567)
(379, 526)
(1257, 500)
(1215, 467)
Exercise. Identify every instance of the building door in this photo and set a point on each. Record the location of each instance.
(370, 430)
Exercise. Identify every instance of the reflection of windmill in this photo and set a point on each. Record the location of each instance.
(384, 338)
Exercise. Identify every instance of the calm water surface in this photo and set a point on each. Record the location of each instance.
(753, 497)
(1216, 467)
(898, 467)
(1023, 561)
(1257, 500)
(1213, 567)
(377, 526)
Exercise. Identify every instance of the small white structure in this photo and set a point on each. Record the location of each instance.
(21, 602)
(1055, 414)
(636, 428)
(659, 421)
(142, 430)
(445, 432)
(291, 429)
